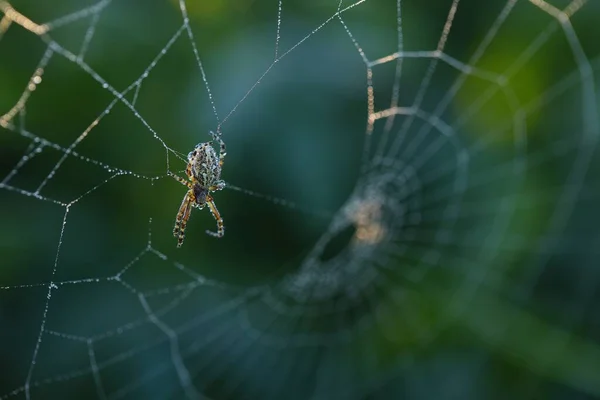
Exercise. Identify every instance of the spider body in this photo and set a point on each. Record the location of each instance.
(204, 176)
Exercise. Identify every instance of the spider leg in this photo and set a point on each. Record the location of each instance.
(219, 185)
(180, 180)
(188, 169)
(213, 210)
(183, 215)
(223, 150)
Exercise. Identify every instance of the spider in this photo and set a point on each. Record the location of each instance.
(204, 173)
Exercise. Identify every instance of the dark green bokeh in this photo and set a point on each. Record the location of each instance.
(486, 291)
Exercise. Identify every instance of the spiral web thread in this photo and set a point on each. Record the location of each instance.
(274, 325)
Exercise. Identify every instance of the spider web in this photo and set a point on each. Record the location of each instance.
(411, 205)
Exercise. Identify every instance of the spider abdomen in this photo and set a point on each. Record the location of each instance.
(205, 165)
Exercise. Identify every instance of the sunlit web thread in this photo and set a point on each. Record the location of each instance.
(15, 16)
(188, 28)
(51, 287)
(438, 54)
(480, 50)
(30, 194)
(57, 283)
(35, 80)
(425, 82)
(370, 93)
(397, 74)
(278, 34)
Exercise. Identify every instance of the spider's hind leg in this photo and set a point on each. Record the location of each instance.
(220, 226)
(183, 215)
(180, 180)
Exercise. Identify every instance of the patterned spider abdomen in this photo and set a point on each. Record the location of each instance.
(204, 164)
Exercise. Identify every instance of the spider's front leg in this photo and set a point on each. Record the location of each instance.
(219, 185)
(183, 215)
(213, 210)
(181, 180)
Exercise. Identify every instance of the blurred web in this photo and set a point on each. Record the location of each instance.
(431, 245)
